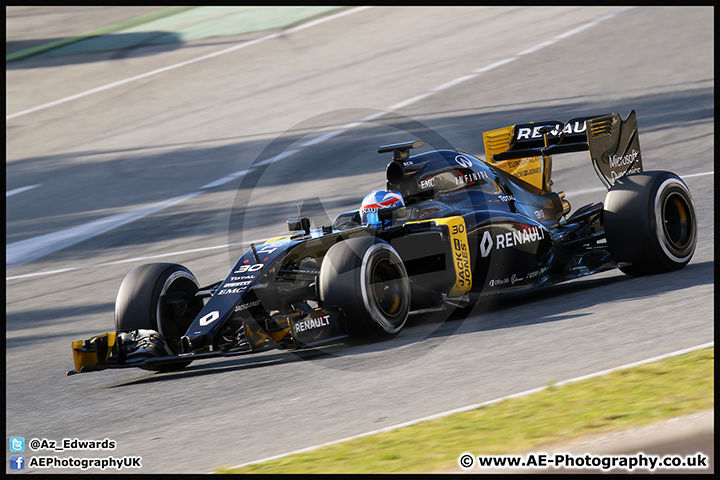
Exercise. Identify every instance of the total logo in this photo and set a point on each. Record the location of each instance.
(510, 239)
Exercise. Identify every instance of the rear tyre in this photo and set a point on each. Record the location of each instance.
(366, 278)
(650, 223)
(160, 297)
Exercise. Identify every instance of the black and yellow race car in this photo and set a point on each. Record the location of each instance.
(450, 229)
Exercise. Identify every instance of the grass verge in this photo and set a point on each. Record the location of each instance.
(623, 399)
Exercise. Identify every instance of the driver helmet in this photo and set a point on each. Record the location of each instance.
(376, 201)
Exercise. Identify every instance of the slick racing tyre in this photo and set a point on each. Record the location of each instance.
(366, 278)
(650, 222)
(159, 297)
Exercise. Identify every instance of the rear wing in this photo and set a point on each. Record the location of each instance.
(525, 150)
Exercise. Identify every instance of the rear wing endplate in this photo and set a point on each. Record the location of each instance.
(525, 150)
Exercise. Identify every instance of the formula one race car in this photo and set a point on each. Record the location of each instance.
(450, 229)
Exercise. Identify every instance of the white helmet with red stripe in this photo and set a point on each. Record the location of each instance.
(376, 201)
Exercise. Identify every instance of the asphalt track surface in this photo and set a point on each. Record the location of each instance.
(148, 169)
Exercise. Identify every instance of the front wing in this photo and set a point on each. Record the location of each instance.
(148, 349)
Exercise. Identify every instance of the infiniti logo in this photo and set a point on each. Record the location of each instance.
(464, 161)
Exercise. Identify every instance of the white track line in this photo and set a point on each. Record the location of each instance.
(452, 83)
(603, 189)
(478, 405)
(537, 47)
(613, 13)
(410, 101)
(698, 174)
(487, 68)
(10, 193)
(182, 64)
(576, 30)
(24, 251)
(224, 180)
(325, 19)
(133, 260)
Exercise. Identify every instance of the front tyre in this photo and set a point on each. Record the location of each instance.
(159, 297)
(650, 222)
(366, 278)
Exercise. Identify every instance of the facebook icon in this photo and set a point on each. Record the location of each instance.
(17, 462)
